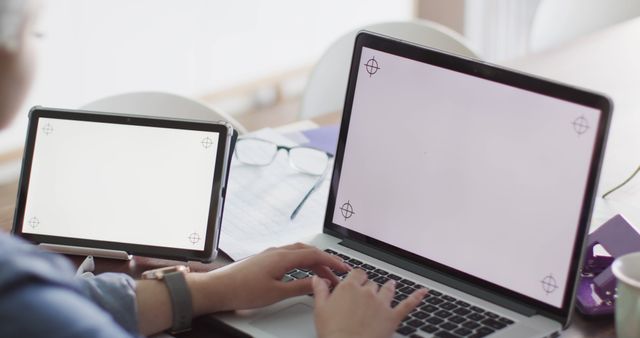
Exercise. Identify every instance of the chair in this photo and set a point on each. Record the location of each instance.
(161, 104)
(327, 84)
(557, 21)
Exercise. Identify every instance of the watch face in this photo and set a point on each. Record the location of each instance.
(161, 272)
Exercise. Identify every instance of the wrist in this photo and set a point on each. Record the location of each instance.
(178, 292)
(207, 293)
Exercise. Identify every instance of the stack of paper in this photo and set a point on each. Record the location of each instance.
(260, 201)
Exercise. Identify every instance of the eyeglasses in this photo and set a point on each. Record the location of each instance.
(307, 160)
(622, 184)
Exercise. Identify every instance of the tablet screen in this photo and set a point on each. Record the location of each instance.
(114, 182)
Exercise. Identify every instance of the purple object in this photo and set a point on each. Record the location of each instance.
(597, 286)
(323, 138)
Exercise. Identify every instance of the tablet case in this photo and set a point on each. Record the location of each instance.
(117, 254)
(232, 146)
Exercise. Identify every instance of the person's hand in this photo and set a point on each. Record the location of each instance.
(257, 281)
(359, 308)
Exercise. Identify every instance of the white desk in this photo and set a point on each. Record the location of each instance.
(609, 62)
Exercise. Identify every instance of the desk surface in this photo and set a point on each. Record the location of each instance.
(606, 61)
(135, 267)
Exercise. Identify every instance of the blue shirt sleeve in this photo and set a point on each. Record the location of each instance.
(41, 297)
(115, 293)
(40, 310)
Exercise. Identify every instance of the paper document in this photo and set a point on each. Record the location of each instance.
(261, 199)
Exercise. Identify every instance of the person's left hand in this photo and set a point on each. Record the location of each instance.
(257, 281)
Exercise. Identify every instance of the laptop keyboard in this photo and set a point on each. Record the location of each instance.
(438, 314)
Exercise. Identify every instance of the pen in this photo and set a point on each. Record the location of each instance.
(306, 196)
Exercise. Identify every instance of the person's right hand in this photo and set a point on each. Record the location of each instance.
(359, 308)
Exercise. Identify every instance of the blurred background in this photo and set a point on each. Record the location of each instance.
(252, 58)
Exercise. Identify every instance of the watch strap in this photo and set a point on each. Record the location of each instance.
(180, 301)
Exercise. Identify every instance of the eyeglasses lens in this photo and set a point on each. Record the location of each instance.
(308, 160)
(255, 152)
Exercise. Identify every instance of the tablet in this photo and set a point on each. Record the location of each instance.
(118, 183)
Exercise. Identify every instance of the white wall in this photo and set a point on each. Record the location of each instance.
(96, 48)
(499, 29)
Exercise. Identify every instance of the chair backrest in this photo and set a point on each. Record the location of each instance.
(557, 21)
(162, 105)
(327, 84)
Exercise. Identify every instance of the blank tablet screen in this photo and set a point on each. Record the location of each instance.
(122, 183)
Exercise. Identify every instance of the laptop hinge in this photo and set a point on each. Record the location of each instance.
(440, 277)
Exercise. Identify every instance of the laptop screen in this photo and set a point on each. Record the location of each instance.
(479, 176)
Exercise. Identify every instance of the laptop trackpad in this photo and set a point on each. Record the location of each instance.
(296, 321)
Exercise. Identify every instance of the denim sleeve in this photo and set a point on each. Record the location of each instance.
(46, 310)
(41, 297)
(114, 293)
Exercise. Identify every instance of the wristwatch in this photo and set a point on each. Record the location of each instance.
(174, 279)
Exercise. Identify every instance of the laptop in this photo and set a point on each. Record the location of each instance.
(472, 180)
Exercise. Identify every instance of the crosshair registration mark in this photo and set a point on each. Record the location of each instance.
(47, 129)
(34, 222)
(371, 66)
(580, 125)
(549, 284)
(347, 210)
(194, 238)
(206, 142)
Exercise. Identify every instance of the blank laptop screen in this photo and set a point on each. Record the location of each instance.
(479, 176)
(121, 183)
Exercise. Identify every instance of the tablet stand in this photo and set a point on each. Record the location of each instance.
(82, 251)
(597, 287)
